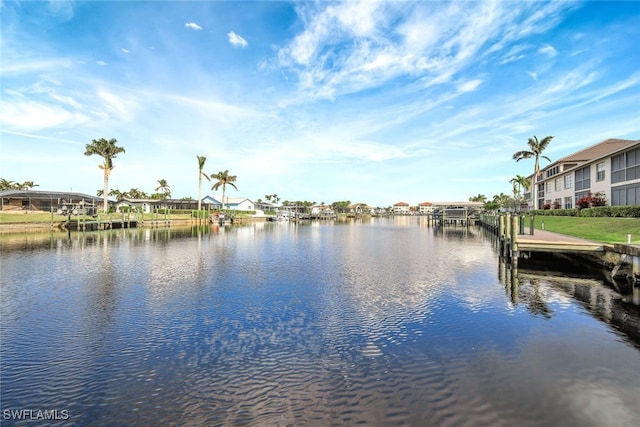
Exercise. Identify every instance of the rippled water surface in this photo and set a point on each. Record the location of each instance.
(383, 322)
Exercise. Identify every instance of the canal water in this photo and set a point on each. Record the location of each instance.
(377, 322)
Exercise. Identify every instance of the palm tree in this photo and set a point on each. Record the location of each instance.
(536, 148)
(520, 182)
(501, 200)
(7, 185)
(135, 193)
(201, 162)
(116, 194)
(109, 151)
(164, 187)
(479, 198)
(27, 185)
(223, 179)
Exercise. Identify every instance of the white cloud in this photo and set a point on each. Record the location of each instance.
(193, 26)
(469, 86)
(101, 63)
(61, 9)
(125, 51)
(533, 75)
(33, 116)
(116, 106)
(31, 66)
(548, 50)
(236, 40)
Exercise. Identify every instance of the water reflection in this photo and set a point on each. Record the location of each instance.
(539, 290)
(377, 321)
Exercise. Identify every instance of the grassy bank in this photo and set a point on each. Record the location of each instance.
(606, 230)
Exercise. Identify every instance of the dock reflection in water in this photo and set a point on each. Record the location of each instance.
(381, 322)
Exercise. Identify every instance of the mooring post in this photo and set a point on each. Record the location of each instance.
(531, 223)
(635, 275)
(514, 242)
(508, 233)
(501, 236)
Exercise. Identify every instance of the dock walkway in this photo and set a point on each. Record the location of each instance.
(548, 241)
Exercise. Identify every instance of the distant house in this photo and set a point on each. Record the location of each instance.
(611, 168)
(143, 205)
(232, 203)
(401, 208)
(149, 205)
(265, 206)
(360, 208)
(425, 208)
(322, 210)
(58, 201)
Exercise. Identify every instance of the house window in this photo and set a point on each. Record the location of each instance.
(568, 181)
(547, 187)
(553, 171)
(633, 164)
(583, 178)
(600, 172)
(618, 168)
(568, 202)
(625, 166)
(558, 184)
(628, 195)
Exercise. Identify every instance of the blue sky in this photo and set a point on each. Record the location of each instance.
(373, 102)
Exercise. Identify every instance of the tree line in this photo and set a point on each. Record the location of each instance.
(109, 150)
(6, 184)
(520, 184)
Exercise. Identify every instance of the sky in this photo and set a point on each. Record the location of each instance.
(368, 101)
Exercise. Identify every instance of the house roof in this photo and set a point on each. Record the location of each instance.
(401, 204)
(228, 200)
(426, 204)
(126, 199)
(32, 194)
(598, 150)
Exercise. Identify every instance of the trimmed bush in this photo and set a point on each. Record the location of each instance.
(593, 212)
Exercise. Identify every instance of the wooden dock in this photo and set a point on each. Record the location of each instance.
(547, 241)
(515, 238)
(95, 225)
(517, 241)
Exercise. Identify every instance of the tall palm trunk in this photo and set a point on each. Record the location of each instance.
(223, 191)
(199, 190)
(105, 185)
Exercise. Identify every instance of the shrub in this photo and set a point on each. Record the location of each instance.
(591, 200)
(611, 211)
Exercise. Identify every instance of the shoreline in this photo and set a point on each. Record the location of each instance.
(27, 227)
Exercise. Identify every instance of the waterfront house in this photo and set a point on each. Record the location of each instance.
(59, 201)
(360, 209)
(140, 205)
(425, 208)
(232, 203)
(322, 211)
(611, 168)
(401, 208)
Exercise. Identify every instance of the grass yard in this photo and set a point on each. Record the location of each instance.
(606, 230)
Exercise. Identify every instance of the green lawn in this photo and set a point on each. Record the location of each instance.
(606, 230)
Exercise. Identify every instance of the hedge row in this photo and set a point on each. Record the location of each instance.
(599, 211)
